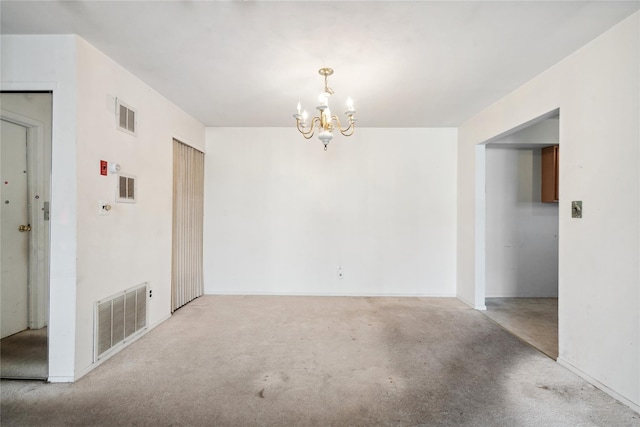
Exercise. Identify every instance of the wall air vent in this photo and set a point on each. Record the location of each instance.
(126, 191)
(126, 117)
(119, 319)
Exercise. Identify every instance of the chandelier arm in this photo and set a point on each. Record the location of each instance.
(301, 129)
(308, 134)
(344, 132)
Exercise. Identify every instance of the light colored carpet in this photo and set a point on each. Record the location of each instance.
(535, 320)
(24, 355)
(321, 361)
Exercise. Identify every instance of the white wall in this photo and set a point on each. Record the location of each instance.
(48, 63)
(133, 243)
(597, 91)
(281, 214)
(96, 256)
(521, 231)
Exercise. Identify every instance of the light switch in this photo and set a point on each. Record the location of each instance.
(576, 209)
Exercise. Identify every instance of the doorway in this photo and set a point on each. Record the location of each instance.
(25, 168)
(521, 236)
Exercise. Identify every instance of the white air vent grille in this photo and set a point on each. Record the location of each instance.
(119, 318)
(126, 117)
(126, 192)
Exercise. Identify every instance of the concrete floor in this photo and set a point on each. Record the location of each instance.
(534, 320)
(321, 361)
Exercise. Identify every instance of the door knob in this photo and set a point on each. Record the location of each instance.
(24, 228)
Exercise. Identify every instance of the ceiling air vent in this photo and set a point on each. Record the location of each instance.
(125, 117)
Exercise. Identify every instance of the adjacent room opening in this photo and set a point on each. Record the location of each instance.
(25, 159)
(521, 240)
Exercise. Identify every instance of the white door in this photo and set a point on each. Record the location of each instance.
(14, 216)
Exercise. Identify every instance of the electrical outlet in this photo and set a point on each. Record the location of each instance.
(150, 293)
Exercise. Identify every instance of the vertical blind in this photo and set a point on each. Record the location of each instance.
(188, 211)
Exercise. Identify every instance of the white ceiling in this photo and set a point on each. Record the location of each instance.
(405, 64)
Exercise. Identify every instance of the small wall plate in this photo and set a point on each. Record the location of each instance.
(576, 209)
(104, 207)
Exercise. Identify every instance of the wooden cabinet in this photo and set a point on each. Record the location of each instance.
(550, 161)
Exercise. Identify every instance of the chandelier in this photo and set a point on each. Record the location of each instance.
(325, 122)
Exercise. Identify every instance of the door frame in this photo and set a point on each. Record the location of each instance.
(480, 210)
(39, 171)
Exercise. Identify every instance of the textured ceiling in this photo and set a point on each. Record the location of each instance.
(405, 64)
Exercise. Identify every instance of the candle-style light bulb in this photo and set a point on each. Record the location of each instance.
(299, 107)
(305, 115)
(350, 104)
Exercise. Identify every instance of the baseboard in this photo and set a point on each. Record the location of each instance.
(472, 305)
(515, 295)
(60, 379)
(94, 365)
(570, 366)
(317, 294)
(162, 320)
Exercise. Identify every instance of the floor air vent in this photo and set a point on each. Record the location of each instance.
(119, 319)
